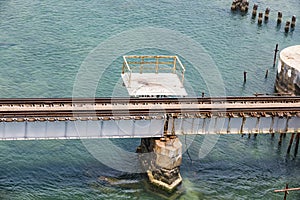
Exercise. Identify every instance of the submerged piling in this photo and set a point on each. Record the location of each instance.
(267, 72)
(280, 139)
(291, 142)
(233, 5)
(254, 11)
(242, 5)
(293, 21)
(297, 144)
(275, 54)
(267, 14)
(279, 17)
(287, 26)
(260, 15)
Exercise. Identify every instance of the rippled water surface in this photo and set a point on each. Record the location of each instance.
(46, 45)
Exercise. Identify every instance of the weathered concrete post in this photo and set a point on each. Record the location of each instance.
(244, 6)
(293, 24)
(267, 14)
(279, 17)
(233, 5)
(260, 15)
(164, 163)
(287, 26)
(255, 6)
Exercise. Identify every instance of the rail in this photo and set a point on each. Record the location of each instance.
(201, 100)
(64, 108)
(66, 118)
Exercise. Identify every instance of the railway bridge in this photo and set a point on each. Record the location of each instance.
(74, 118)
(152, 113)
(158, 121)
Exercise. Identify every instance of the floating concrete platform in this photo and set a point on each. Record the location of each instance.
(153, 84)
(153, 76)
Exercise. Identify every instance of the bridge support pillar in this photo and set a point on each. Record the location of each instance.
(164, 170)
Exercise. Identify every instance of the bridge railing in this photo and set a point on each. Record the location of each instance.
(152, 64)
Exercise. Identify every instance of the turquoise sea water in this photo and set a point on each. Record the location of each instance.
(44, 45)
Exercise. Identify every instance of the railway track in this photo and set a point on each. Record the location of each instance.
(266, 99)
(62, 108)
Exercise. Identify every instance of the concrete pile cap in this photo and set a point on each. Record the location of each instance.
(168, 150)
(291, 56)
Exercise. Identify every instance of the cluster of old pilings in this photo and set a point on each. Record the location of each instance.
(260, 14)
(241, 5)
(161, 158)
(288, 24)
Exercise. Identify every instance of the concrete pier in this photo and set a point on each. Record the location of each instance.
(288, 74)
(163, 167)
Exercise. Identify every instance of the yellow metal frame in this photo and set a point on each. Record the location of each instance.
(156, 61)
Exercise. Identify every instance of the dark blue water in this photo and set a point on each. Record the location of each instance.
(47, 50)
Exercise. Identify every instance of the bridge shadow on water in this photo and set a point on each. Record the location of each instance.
(236, 167)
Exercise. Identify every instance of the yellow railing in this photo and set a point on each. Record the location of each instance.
(152, 64)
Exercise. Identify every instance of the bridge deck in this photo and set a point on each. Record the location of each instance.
(108, 107)
(138, 117)
(152, 84)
